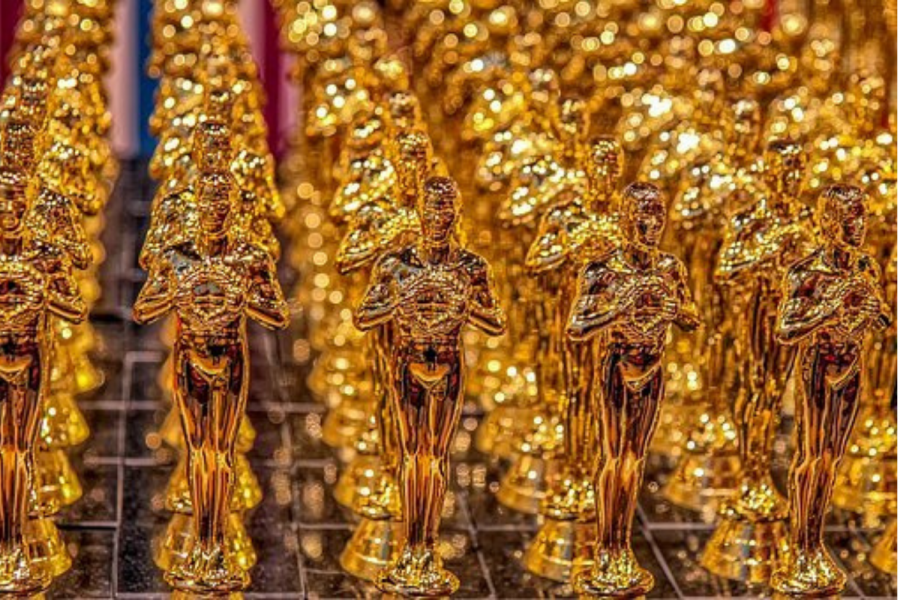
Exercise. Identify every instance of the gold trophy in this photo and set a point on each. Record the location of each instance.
(867, 478)
(572, 233)
(381, 227)
(213, 278)
(537, 186)
(710, 191)
(830, 300)
(427, 292)
(884, 553)
(761, 242)
(37, 282)
(627, 299)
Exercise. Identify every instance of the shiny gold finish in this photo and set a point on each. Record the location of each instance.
(761, 242)
(57, 174)
(380, 226)
(867, 477)
(572, 233)
(38, 282)
(627, 299)
(214, 280)
(884, 552)
(712, 189)
(830, 300)
(692, 89)
(210, 252)
(427, 291)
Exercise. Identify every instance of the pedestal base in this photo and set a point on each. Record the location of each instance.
(744, 550)
(570, 497)
(701, 481)
(368, 490)
(375, 546)
(19, 575)
(46, 547)
(418, 575)
(88, 377)
(613, 576)
(208, 572)
(560, 546)
(359, 478)
(524, 486)
(62, 423)
(55, 483)
(174, 546)
(810, 575)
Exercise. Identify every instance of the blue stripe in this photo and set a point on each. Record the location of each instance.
(146, 85)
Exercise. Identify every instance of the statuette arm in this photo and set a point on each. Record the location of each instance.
(884, 315)
(548, 251)
(65, 300)
(266, 304)
(487, 315)
(688, 316)
(156, 298)
(596, 306)
(379, 301)
(799, 316)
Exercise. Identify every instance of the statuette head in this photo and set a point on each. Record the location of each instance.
(843, 215)
(785, 167)
(643, 215)
(216, 198)
(606, 161)
(440, 210)
(13, 200)
(212, 146)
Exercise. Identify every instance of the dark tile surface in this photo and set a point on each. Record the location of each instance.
(299, 530)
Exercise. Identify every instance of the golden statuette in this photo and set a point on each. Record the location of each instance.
(213, 278)
(36, 282)
(627, 298)
(830, 300)
(427, 292)
(761, 241)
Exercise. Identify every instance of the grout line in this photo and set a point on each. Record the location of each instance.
(288, 442)
(89, 526)
(657, 552)
(324, 526)
(463, 499)
(680, 526)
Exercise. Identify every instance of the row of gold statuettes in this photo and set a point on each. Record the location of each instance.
(56, 173)
(773, 301)
(588, 301)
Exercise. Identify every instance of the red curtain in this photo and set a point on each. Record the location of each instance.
(9, 17)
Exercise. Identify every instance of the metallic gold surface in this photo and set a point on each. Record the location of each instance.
(829, 301)
(213, 281)
(38, 282)
(761, 242)
(426, 292)
(592, 444)
(627, 299)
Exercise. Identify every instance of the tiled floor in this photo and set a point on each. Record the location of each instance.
(299, 531)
